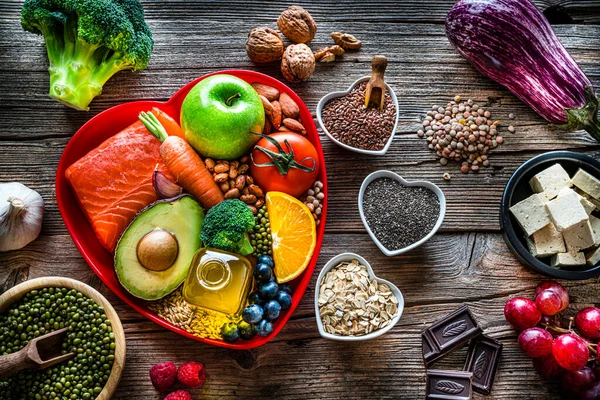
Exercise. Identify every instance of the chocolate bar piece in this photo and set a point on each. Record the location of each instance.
(482, 361)
(449, 385)
(448, 334)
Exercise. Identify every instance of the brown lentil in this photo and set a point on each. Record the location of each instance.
(462, 131)
(347, 120)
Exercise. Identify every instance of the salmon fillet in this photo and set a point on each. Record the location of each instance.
(113, 182)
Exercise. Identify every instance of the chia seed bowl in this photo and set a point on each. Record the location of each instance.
(334, 95)
(413, 239)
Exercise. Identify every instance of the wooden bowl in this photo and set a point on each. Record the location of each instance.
(14, 294)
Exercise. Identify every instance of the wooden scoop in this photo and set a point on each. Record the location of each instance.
(375, 93)
(40, 353)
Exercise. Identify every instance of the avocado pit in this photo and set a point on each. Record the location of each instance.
(157, 250)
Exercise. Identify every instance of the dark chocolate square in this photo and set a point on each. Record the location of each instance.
(449, 385)
(482, 360)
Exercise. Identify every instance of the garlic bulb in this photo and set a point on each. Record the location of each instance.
(21, 212)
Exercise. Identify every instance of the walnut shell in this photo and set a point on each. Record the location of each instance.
(264, 45)
(297, 63)
(297, 24)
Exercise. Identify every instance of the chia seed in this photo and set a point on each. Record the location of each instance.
(399, 215)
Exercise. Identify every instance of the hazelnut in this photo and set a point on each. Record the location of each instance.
(346, 41)
(297, 63)
(264, 45)
(297, 24)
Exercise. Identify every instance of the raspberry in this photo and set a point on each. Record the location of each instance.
(191, 374)
(163, 376)
(179, 395)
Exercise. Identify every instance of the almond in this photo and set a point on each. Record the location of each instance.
(266, 105)
(267, 91)
(294, 125)
(288, 106)
(275, 117)
(268, 127)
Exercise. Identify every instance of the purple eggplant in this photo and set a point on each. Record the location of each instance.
(511, 42)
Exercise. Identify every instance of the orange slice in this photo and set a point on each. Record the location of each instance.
(294, 234)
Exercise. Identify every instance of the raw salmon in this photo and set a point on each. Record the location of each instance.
(113, 182)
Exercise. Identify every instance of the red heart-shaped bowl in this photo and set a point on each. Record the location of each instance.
(112, 121)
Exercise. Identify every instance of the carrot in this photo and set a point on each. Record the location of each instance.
(184, 164)
(172, 127)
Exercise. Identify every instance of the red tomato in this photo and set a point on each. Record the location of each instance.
(295, 163)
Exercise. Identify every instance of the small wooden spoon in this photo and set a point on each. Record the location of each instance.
(375, 93)
(40, 353)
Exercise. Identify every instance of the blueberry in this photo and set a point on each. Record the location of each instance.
(272, 309)
(247, 331)
(252, 313)
(263, 273)
(284, 299)
(268, 290)
(266, 260)
(230, 332)
(264, 328)
(286, 288)
(254, 298)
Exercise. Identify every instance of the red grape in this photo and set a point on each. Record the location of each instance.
(551, 320)
(536, 342)
(548, 302)
(592, 393)
(570, 352)
(557, 288)
(547, 367)
(521, 313)
(588, 322)
(575, 382)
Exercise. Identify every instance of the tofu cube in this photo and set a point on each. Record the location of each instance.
(566, 211)
(589, 198)
(531, 214)
(587, 183)
(567, 259)
(595, 223)
(593, 257)
(587, 205)
(579, 237)
(550, 181)
(548, 241)
(531, 246)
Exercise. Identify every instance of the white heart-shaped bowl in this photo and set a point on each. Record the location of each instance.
(334, 95)
(392, 175)
(348, 257)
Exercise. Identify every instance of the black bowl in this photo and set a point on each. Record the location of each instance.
(518, 189)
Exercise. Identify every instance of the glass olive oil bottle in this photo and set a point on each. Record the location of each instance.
(218, 281)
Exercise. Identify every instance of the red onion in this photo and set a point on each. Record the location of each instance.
(164, 187)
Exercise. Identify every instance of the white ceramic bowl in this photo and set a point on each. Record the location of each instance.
(389, 174)
(348, 257)
(333, 95)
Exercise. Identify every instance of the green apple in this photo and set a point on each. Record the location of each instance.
(218, 116)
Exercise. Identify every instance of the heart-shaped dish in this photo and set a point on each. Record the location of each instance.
(112, 121)
(348, 257)
(334, 95)
(392, 175)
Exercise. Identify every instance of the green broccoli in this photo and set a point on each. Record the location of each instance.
(88, 41)
(225, 227)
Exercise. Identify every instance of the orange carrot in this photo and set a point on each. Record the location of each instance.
(184, 164)
(172, 127)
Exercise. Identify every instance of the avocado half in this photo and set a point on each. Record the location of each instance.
(179, 218)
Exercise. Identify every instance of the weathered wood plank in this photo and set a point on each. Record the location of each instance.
(479, 265)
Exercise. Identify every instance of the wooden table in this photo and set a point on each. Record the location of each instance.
(466, 263)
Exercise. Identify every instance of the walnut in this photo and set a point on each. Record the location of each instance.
(346, 41)
(297, 63)
(264, 45)
(327, 54)
(297, 24)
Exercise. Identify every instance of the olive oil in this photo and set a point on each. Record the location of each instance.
(218, 281)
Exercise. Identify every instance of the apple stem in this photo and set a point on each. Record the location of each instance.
(229, 101)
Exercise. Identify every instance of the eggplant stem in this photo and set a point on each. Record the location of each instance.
(585, 117)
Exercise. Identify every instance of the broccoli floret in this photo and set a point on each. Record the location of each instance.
(88, 41)
(225, 227)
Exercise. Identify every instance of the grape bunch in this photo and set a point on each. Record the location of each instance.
(560, 348)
